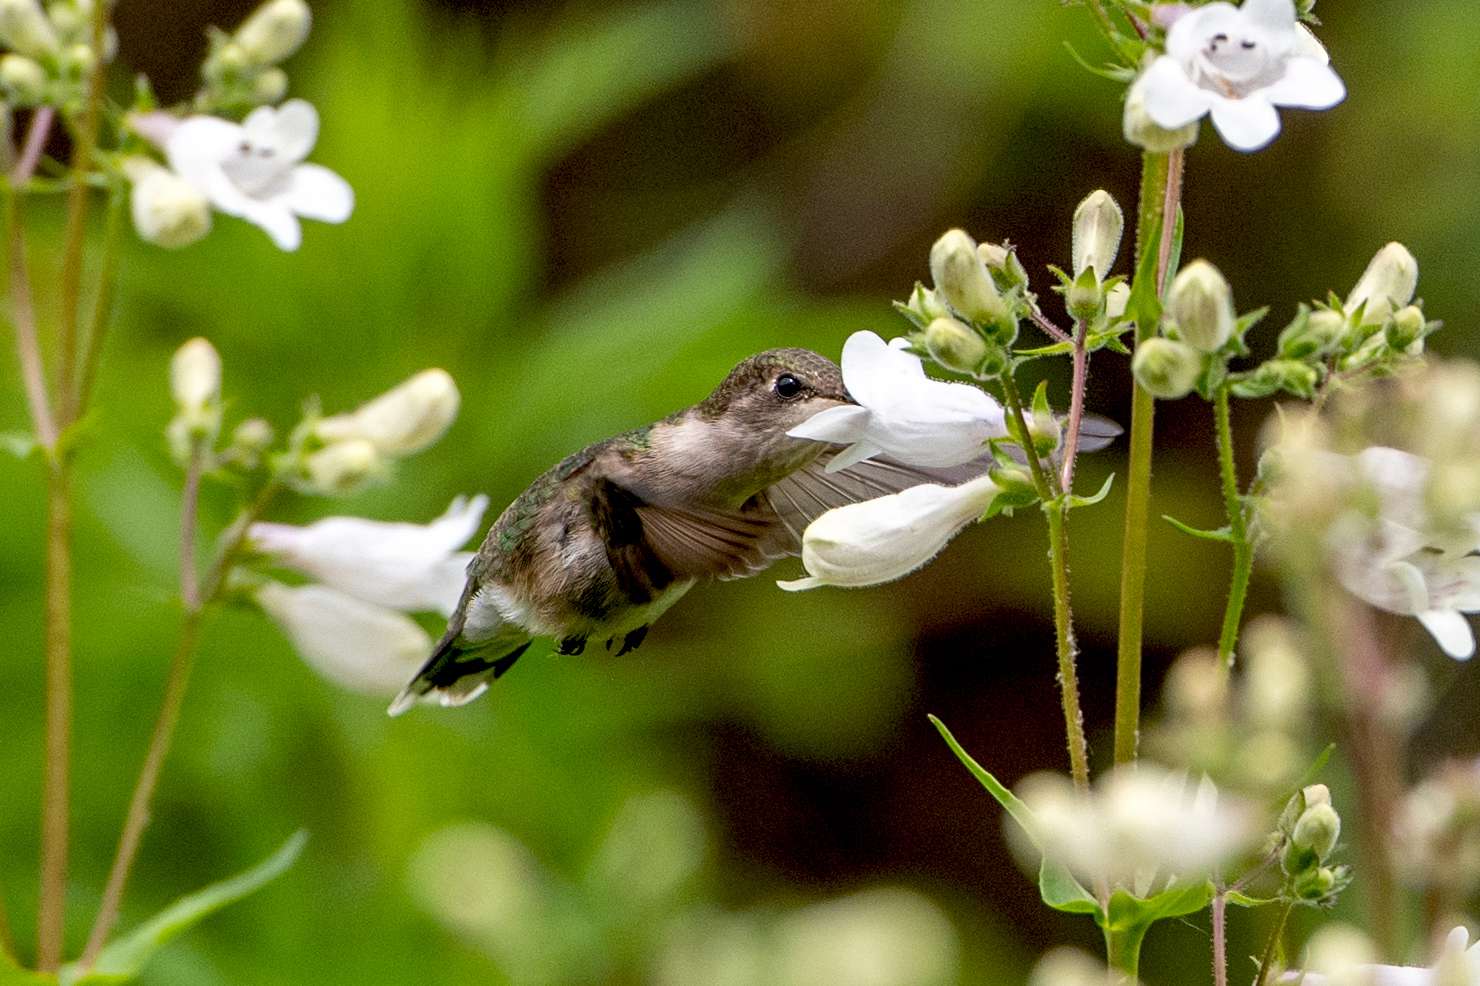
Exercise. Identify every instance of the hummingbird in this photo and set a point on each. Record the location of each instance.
(598, 547)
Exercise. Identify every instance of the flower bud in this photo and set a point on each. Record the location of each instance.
(1141, 130)
(1312, 335)
(403, 420)
(25, 29)
(1405, 328)
(1387, 285)
(1002, 262)
(1084, 298)
(274, 31)
(227, 61)
(1014, 482)
(253, 434)
(1166, 368)
(78, 60)
(1201, 304)
(954, 346)
(23, 79)
(1044, 430)
(68, 19)
(1315, 884)
(1317, 830)
(962, 278)
(341, 467)
(270, 86)
(925, 306)
(195, 375)
(1116, 301)
(1291, 376)
(167, 210)
(1098, 224)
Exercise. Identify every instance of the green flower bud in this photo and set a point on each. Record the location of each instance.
(225, 63)
(1317, 830)
(1002, 262)
(1085, 299)
(1043, 428)
(69, 20)
(195, 384)
(274, 31)
(1166, 368)
(23, 79)
(1371, 352)
(1201, 304)
(997, 360)
(1291, 376)
(962, 278)
(79, 60)
(1315, 794)
(1141, 130)
(925, 305)
(254, 434)
(1098, 225)
(341, 467)
(955, 346)
(1315, 884)
(1387, 285)
(1312, 335)
(1015, 482)
(1405, 328)
(25, 29)
(270, 86)
(167, 210)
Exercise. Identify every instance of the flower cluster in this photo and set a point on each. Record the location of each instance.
(50, 51)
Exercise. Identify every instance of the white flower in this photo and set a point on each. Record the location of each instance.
(902, 412)
(1458, 965)
(274, 31)
(1098, 225)
(405, 419)
(887, 538)
(1137, 826)
(410, 567)
(1388, 284)
(254, 170)
(1395, 562)
(361, 646)
(1238, 64)
(167, 210)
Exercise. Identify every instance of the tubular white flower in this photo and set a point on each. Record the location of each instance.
(887, 538)
(254, 170)
(902, 412)
(410, 567)
(1238, 64)
(355, 644)
(405, 419)
(1388, 283)
(167, 210)
(274, 31)
(1458, 964)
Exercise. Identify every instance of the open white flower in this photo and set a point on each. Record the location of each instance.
(410, 567)
(255, 171)
(1458, 964)
(1238, 64)
(901, 411)
(1395, 562)
(887, 538)
(361, 646)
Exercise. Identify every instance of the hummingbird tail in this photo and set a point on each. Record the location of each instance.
(460, 670)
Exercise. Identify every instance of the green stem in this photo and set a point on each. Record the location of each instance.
(1123, 953)
(96, 333)
(1274, 940)
(1157, 209)
(1063, 617)
(58, 748)
(1238, 529)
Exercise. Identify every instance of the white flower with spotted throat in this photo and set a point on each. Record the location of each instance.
(901, 412)
(1237, 64)
(255, 170)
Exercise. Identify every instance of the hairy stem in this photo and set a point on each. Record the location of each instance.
(1160, 192)
(1238, 529)
(1220, 938)
(56, 769)
(1076, 407)
(1270, 947)
(1063, 616)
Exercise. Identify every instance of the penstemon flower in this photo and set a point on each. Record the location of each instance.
(410, 567)
(902, 412)
(255, 170)
(1458, 964)
(405, 419)
(1237, 64)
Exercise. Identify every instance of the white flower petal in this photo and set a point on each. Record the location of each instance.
(292, 129)
(1172, 99)
(315, 192)
(1186, 37)
(1307, 84)
(1451, 631)
(1272, 15)
(853, 455)
(1246, 124)
(358, 645)
(196, 147)
(841, 425)
(1307, 45)
(275, 219)
(872, 369)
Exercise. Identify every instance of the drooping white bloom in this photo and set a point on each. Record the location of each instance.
(1394, 561)
(881, 540)
(167, 210)
(361, 646)
(1138, 827)
(902, 412)
(410, 567)
(1238, 64)
(255, 171)
(1458, 964)
(405, 419)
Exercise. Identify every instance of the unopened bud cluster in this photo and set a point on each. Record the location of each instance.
(50, 51)
(242, 69)
(1310, 828)
(967, 320)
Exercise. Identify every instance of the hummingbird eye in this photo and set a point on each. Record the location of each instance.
(788, 387)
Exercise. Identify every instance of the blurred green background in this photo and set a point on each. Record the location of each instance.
(588, 212)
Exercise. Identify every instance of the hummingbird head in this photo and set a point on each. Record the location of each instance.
(772, 392)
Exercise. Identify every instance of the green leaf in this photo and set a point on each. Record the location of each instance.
(1174, 259)
(1244, 900)
(1056, 349)
(1129, 913)
(1314, 770)
(124, 958)
(1144, 305)
(1223, 534)
(1115, 73)
(20, 444)
(1073, 501)
(1056, 885)
(13, 975)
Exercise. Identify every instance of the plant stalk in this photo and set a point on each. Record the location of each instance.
(1238, 529)
(1267, 959)
(1123, 953)
(1220, 938)
(96, 333)
(56, 768)
(1076, 406)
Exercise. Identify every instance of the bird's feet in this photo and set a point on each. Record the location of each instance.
(570, 646)
(632, 641)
